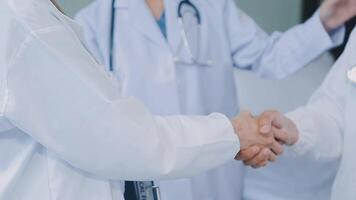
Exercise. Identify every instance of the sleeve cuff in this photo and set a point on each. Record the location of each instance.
(317, 33)
(338, 36)
(306, 140)
(319, 37)
(231, 135)
(213, 130)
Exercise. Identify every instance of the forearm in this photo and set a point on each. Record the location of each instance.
(71, 107)
(286, 53)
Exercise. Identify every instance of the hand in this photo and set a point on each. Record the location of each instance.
(247, 129)
(334, 13)
(265, 149)
(257, 156)
(284, 130)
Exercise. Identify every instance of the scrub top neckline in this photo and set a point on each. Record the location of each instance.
(162, 24)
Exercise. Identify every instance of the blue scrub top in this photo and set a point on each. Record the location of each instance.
(162, 24)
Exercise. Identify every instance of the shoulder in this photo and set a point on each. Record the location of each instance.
(34, 14)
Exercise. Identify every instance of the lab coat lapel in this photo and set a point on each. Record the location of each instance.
(143, 21)
(173, 29)
(103, 24)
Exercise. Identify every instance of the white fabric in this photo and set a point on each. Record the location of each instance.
(269, 183)
(144, 65)
(75, 134)
(327, 124)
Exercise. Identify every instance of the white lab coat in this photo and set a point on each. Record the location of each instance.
(327, 123)
(66, 131)
(144, 64)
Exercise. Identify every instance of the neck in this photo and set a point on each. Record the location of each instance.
(157, 7)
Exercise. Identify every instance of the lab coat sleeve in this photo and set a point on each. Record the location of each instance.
(277, 55)
(65, 101)
(321, 121)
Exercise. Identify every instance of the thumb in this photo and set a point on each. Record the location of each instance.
(265, 122)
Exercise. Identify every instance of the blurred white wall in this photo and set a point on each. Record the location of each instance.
(254, 93)
(72, 6)
(273, 14)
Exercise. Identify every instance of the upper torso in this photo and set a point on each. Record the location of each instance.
(145, 65)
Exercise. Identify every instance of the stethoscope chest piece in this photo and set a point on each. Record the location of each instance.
(351, 74)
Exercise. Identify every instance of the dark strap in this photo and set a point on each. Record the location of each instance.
(130, 191)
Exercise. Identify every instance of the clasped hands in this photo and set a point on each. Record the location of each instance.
(262, 138)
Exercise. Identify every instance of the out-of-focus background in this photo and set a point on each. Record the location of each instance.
(256, 94)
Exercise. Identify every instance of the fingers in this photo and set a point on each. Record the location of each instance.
(248, 154)
(267, 120)
(260, 159)
(259, 165)
(277, 148)
(265, 155)
(272, 157)
(246, 113)
(281, 135)
(270, 152)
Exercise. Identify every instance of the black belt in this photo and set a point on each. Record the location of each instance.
(141, 191)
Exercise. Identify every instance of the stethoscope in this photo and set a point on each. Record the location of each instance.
(193, 56)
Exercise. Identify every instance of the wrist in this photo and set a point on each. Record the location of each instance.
(330, 18)
(326, 21)
(293, 133)
(239, 129)
(236, 124)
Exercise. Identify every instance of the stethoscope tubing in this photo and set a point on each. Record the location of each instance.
(190, 4)
(112, 32)
(113, 18)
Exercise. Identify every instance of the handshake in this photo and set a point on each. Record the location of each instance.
(262, 138)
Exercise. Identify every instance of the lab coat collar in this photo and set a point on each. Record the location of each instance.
(143, 21)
